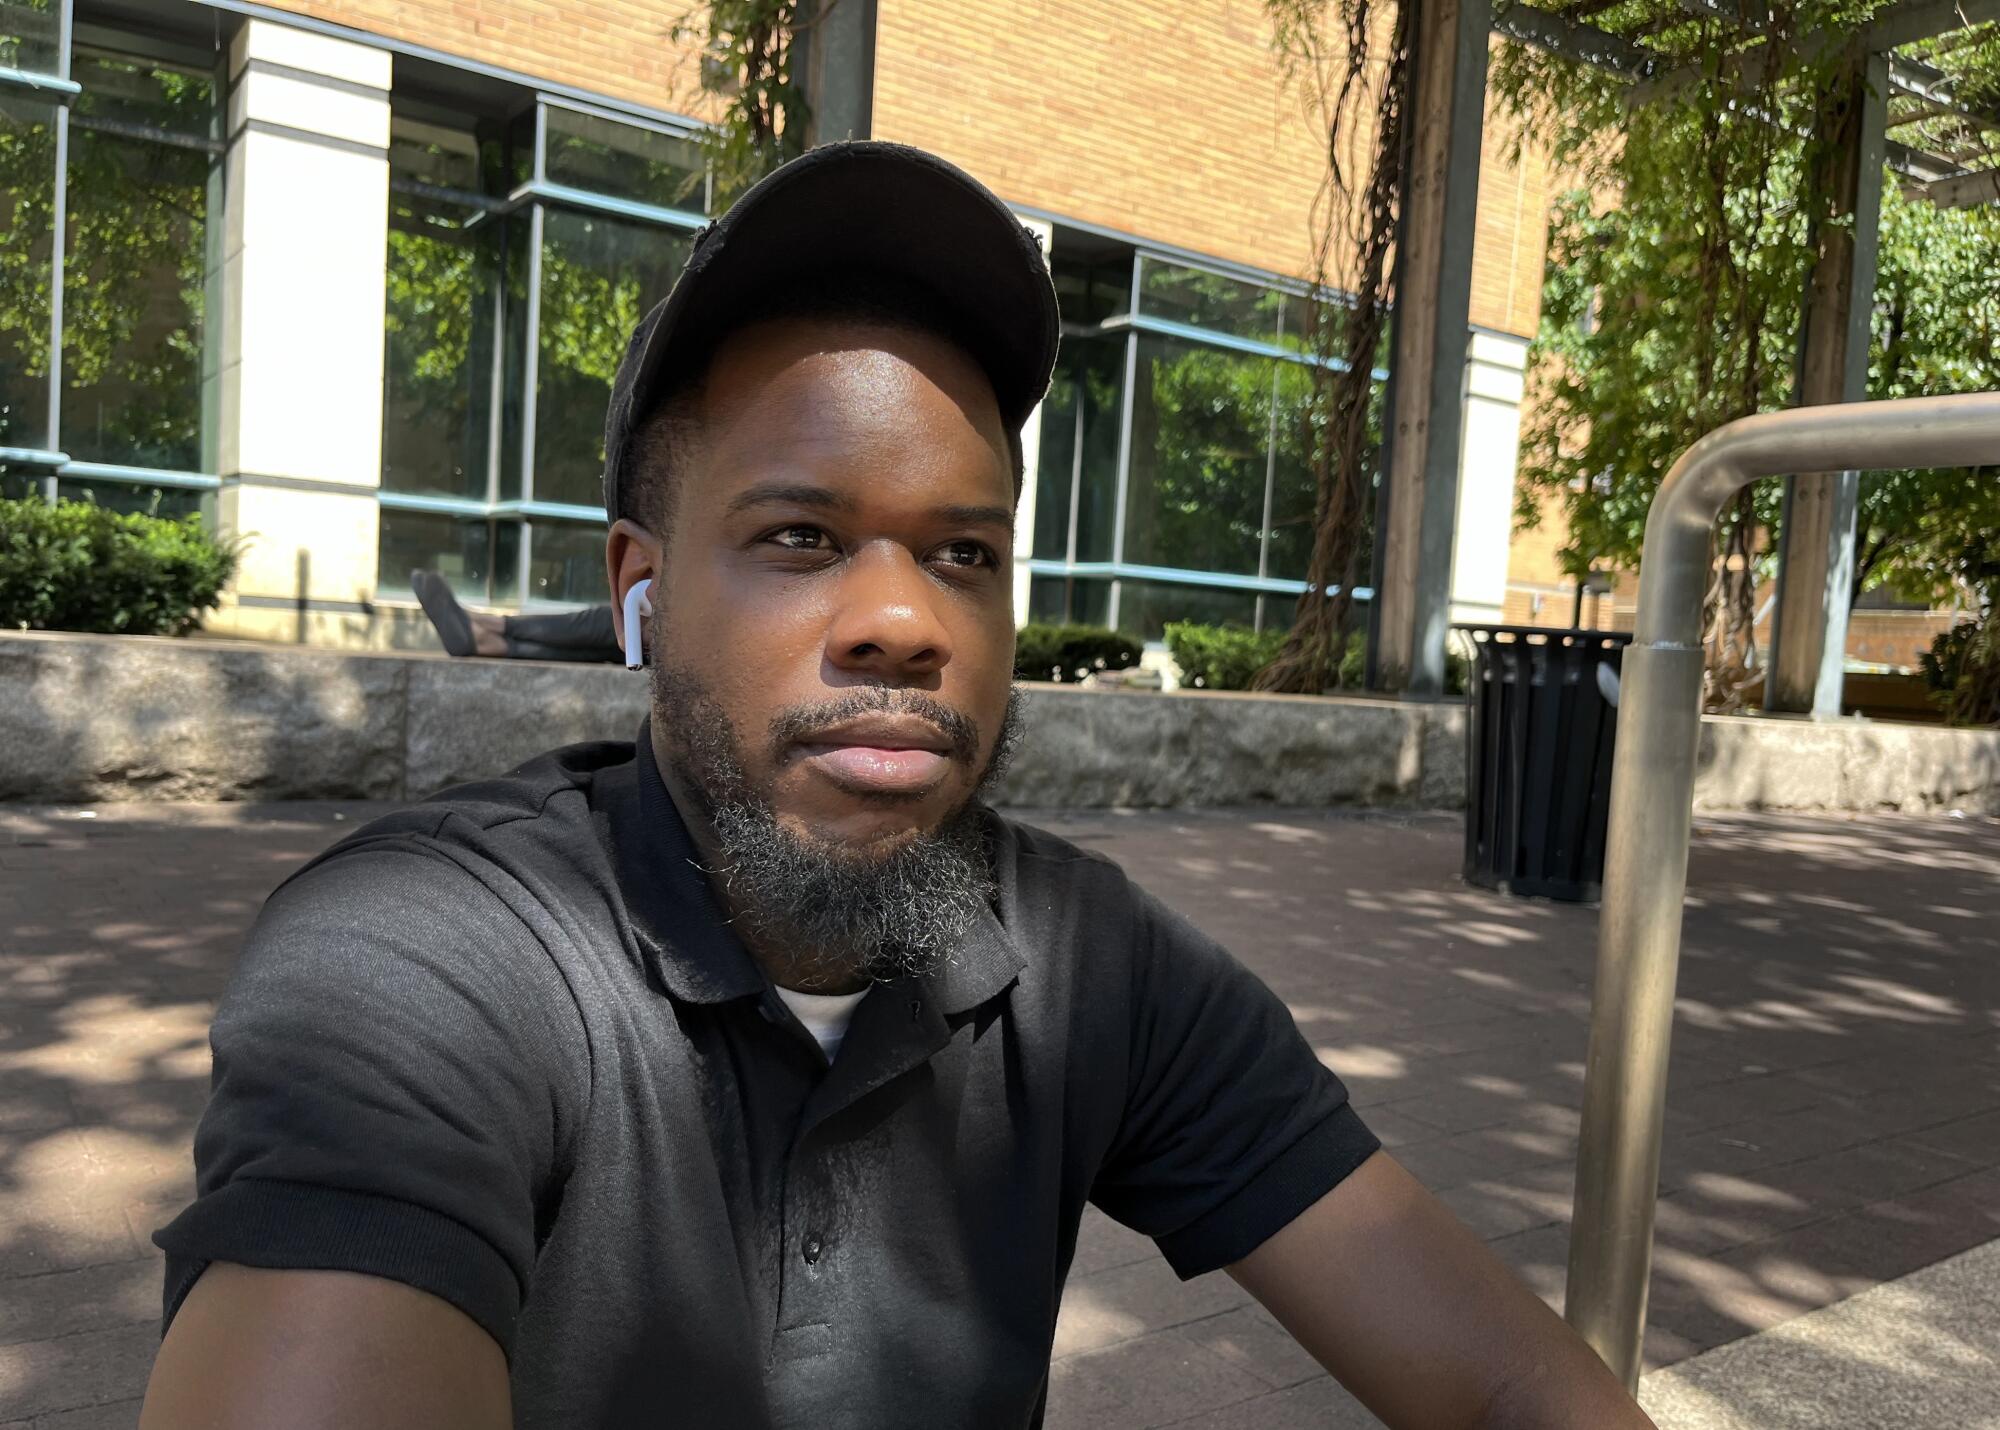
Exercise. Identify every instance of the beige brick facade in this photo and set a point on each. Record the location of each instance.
(1169, 122)
(623, 49)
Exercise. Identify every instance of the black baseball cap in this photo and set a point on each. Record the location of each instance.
(860, 206)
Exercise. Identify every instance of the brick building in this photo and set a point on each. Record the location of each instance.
(352, 275)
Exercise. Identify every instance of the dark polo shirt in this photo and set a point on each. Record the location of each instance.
(503, 1046)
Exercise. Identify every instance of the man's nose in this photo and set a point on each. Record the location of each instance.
(888, 624)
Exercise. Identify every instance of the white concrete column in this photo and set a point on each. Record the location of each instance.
(1495, 375)
(299, 400)
(1031, 456)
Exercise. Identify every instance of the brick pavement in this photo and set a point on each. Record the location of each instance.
(1833, 1122)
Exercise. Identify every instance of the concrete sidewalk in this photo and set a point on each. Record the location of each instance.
(1834, 1116)
(1913, 1354)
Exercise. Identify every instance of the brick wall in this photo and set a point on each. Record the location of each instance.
(1165, 121)
(619, 48)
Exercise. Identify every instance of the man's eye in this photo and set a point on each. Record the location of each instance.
(965, 553)
(800, 538)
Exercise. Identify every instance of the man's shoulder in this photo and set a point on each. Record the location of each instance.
(538, 818)
(1046, 868)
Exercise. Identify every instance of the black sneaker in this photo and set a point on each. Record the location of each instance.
(454, 627)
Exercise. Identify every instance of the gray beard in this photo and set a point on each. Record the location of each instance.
(829, 910)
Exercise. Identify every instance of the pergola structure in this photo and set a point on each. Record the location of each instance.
(1942, 148)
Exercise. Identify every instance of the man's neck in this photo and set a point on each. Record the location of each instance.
(781, 959)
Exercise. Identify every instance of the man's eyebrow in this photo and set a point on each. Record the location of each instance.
(792, 494)
(977, 515)
(827, 499)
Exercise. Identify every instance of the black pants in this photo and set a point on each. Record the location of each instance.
(586, 635)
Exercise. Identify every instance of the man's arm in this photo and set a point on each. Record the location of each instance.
(1391, 1293)
(311, 1349)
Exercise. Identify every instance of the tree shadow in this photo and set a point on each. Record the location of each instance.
(1833, 1109)
(120, 926)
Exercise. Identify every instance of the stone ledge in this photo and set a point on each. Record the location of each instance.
(108, 718)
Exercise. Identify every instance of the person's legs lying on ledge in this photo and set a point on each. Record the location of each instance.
(582, 635)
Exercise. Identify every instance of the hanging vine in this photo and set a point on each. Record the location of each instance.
(751, 85)
(1354, 214)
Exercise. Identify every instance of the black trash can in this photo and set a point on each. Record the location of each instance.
(1542, 727)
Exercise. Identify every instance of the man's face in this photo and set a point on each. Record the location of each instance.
(838, 576)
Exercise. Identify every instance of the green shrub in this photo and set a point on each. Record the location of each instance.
(1229, 657)
(76, 566)
(1069, 653)
(1962, 669)
(1221, 657)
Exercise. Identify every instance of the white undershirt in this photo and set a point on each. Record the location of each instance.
(825, 1015)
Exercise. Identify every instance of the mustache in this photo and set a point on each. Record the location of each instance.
(799, 722)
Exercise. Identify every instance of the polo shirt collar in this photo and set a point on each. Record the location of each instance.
(698, 958)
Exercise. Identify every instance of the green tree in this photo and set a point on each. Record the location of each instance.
(1676, 281)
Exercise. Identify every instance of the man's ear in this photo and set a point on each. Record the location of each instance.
(631, 555)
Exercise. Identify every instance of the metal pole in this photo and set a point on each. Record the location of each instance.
(1652, 797)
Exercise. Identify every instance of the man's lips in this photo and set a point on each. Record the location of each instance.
(879, 754)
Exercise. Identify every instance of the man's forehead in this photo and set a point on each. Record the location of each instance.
(811, 389)
(805, 351)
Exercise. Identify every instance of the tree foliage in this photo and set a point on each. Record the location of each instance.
(748, 71)
(1678, 270)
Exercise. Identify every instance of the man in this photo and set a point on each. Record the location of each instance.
(755, 1074)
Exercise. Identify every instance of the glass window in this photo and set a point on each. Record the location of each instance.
(27, 208)
(433, 154)
(127, 497)
(599, 277)
(566, 562)
(1200, 456)
(1145, 607)
(31, 35)
(457, 548)
(586, 151)
(1208, 300)
(506, 562)
(1084, 406)
(440, 322)
(1069, 600)
(1089, 292)
(136, 269)
(1055, 463)
(1294, 487)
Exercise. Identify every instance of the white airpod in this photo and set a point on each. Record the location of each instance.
(636, 605)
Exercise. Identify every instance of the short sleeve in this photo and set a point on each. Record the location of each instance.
(397, 1064)
(1231, 1126)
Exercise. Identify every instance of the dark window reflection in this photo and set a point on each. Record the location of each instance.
(30, 36)
(624, 161)
(440, 319)
(599, 276)
(1145, 607)
(1079, 455)
(457, 548)
(1209, 300)
(125, 497)
(136, 270)
(566, 562)
(1071, 600)
(27, 198)
(1200, 454)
